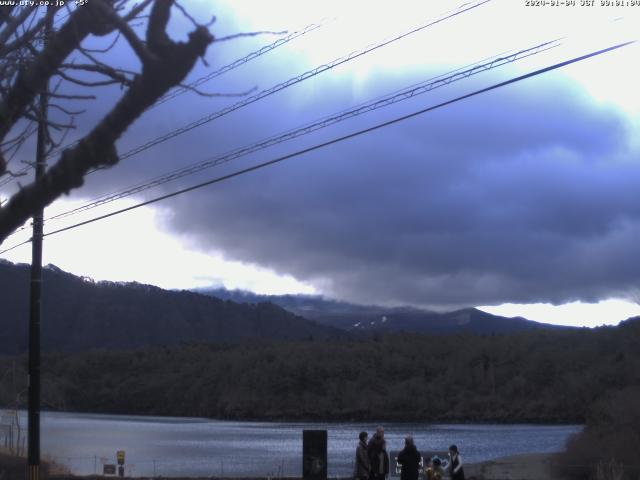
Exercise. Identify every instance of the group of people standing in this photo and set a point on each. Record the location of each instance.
(372, 460)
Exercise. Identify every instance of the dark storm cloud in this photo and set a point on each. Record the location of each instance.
(521, 195)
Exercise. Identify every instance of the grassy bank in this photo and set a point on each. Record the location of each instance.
(519, 467)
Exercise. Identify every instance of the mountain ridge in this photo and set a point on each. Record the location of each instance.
(372, 319)
(81, 314)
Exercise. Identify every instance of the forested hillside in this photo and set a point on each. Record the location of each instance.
(80, 314)
(538, 376)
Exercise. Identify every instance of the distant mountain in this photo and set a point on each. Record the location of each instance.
(80, 314)
(367, 320)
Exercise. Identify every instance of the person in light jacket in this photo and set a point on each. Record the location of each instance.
(456, 472)
(362, 469)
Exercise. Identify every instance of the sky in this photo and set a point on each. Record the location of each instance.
(520, 201)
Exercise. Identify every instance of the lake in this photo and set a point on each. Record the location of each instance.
(200, 447)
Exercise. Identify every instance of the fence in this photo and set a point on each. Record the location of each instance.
(156, 467)
(12, 437)
(521, 467)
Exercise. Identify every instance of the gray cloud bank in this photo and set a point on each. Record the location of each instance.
(524, 196)
(527, 194)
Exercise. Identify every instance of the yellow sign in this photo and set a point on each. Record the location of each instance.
(120, 456)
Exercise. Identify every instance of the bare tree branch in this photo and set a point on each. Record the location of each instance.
(32, 80)
(217, 94)
(19, 174)
(87, 83)
(14, 23)
(107, 48)
(186, 14)
(157, 37)
(170, 64)
(127, 32)
(249, 34)
(72, 97)
(66, 111)
(35, 116)
(135, 11)
(99, 67)
(5, 13)
(56, 143)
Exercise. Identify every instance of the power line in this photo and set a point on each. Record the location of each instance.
(338, 139)
(16, 246)
(297, 79)
(290, 82)
(404, 94)
(196, 83)
(294, 80)
(19, 173)
(224, 69)
(399, 95)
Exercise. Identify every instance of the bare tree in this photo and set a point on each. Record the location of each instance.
(26, 70)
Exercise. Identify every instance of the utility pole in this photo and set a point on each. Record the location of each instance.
(33, 459)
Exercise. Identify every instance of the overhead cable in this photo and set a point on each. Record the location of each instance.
(338, 139)
(297, 79)
(220, 71)
(405, 94)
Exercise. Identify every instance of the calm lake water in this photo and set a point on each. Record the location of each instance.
(199, 447)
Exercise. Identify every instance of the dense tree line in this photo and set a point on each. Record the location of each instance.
(538, 376)
(609, 446)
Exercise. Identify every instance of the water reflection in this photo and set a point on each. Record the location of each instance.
(199, 447)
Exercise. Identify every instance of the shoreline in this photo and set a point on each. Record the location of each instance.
(525, 466)
(332, 421)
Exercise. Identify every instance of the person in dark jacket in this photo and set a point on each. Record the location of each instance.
(362, 469)
(456, 472)
(378, 456)
(410, 459)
